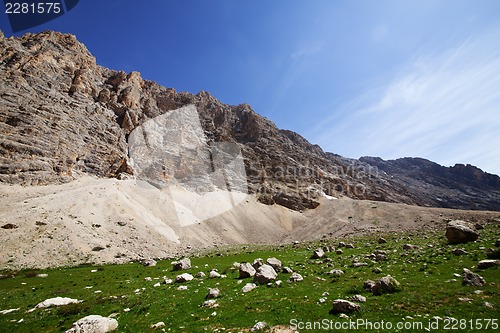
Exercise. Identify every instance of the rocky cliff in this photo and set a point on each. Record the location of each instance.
(61, 114)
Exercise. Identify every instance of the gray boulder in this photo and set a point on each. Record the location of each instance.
(94, 324)
(318, 253)
(183, 278)
(213, 293)
(296, 277)
(344, 306)
(458, 232)
(472, 279)
(385, 285)
(274, 263)
(488, 263)
(182, 265)
(265, 274)
(246, 270)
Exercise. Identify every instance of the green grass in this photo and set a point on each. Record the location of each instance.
(423, 274)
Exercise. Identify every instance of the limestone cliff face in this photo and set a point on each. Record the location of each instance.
(62, 114)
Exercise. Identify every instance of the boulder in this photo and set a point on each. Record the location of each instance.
(335, 272)
(183, 278)
(472, 279)
(483, 264)
(248, 287)
(213, 293)
(94, 324)
(287, 270)
(381, 240)
(459, 252)
(385, 285)
(159, 324)
(149, 262)
(257, 263)
(274, 263)
(265, 274)
(296, 277)
(458, 232)
(344, 306)
(182, 265)
(56, 301)
(214, 274)
(368, 285)
(318, 253)
(246, 270)
(358, 298)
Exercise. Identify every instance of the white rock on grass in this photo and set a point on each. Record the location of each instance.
(159, 324)
(4, 312)
(184, 278)
(56, 301)
(259, 326)
(248, 287)
(94, 324)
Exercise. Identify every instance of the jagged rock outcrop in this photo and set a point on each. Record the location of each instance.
(61, 114)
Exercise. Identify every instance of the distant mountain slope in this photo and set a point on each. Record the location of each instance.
(62, 114)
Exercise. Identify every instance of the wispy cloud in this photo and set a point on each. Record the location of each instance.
(444, 107)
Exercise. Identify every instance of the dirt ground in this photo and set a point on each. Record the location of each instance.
(92, 220)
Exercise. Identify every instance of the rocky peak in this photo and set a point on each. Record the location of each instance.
(62, 114)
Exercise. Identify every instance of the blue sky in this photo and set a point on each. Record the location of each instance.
(379, 78)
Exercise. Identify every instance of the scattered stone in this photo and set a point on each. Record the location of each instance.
(296, 277)
(4, 312)
(279, 283)
(246, 270)
(359, 264)
(344, 306)
(211, 303)
(149, 262)
(460, 232)
(167, 281)
(322, 300)
(339, 251)
(472, 279)
(483, 264)
(148, 278)
(368, 285)
(358, 298)
(259, 326)
(459, 252)
(343, 316)
(265, 274)
(94, 324)
(40, 223)
(380, 257)
(214, 274)
(274, 263)
(182, 265)
(387, 284)
(318, 253)
(377, 270)
(156, 284)
(335, 272)
(341, 244)
(287, 270)
(10, 226)
(381, 240)
(213, 293)
(159, 324)
(465, 299)
(489, 305)
(349, 246)
(42, 275)
(377, 252)
(183, 278)
(56, 301)
(182, 288)
(409, 247)
(201, 275)
(121, 223)
(248, 287)
(257, 263)
(98, 248)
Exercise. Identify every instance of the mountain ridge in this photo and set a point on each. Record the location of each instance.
(62, 114)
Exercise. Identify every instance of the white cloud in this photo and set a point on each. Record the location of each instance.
(442, 107)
